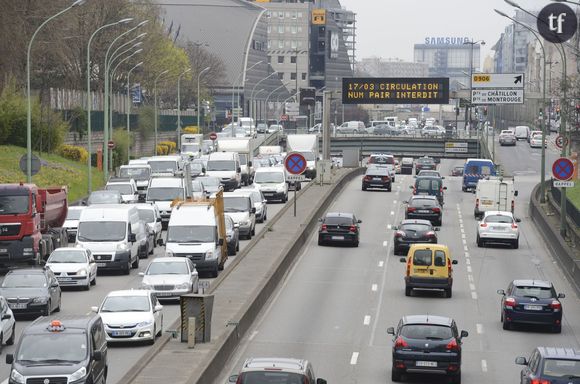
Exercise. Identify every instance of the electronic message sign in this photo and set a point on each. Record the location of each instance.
(395, 90)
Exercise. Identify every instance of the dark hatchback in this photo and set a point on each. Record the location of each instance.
(427, 344)
(31, 291)
(424, 163)
(424, 207)
(377, 177)
(551, 365)
(457, 171)
(337, 227)
(411, 232)
(531, 302)
(429, 185)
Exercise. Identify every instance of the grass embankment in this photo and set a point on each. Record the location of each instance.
(573, 194)
(56, 171)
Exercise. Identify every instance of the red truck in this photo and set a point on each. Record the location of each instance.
(31, 222)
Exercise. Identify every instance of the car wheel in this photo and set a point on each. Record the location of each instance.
(464, 189)
(439, 223)
(10, 341)
(396, 251)
(152, 248)
(506, 325)
(215, 272)
(355, 243)
(1, 343)
(320, 242)
(555, 329)
(135, 264)
(364, 188)
(127, 268)
(456, 379)
(254, 231)
(152, 341)
(408, 291)
(57, 309)
(516, 244)
(46, 311)
(94, 281)
(395, 375)
(448, 293)
(389, 189)
(238, 246)
(87, 287)
(479, 242)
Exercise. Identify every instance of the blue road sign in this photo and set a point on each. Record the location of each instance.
(295, 163)
(563, 169)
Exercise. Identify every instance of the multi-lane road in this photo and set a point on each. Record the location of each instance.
(337, 302)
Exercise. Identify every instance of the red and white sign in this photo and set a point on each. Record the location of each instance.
(111, 144)
(284, 118)
(561, 141)
(213, 136)
(295, 163)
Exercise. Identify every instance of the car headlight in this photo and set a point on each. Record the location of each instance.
(146, 286)
(145, 323)
(279, 189)
(245, 222)
(40, 300)
(209, 255)
(122, 247)
(16, 377)
(82, 272)
(82, 372)
(182, 286)
(169, 253)
(228, 238)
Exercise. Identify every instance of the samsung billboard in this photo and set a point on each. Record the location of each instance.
(448, 40)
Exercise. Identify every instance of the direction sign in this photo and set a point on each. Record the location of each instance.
(563, 169)
(498, 80)
(561, 141)
(213, 136)
(295, 163)
(563, 184)
(295, 178)
(497, 96)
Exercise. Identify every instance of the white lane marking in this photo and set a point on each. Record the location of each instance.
(389, 226)
(465, 248)
(462, 231)
(5, 381)
(467, 261)
(354, 358)
(392, 213)
(394, 201)
(479, 328)
(462, 234)
(470, 278)
(474, 295)
(472, 287)
(464, 241)
(385, 243)
(469, 269)
(253, 335)
(484, 366)
(374, 287)
(381, 263)
(367, 320)
(467, 255)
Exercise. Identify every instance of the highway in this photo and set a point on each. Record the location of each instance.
(76, 302)
(336, 303)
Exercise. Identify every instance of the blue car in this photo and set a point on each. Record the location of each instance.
(474, 170)
(551, 365)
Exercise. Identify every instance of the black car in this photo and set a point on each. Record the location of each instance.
(377, 177)
(232, 236)
(551, 365)
(457, 171)
(424, 163)
(407, 166)
(531, 302)
(339, 227)
(424, 207)
(426, 344)
(385, 130)
(429, 185)
(31, 291)
(411, 232)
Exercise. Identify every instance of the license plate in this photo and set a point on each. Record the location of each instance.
(3, 250)
(17, 305)
(426, 364)
(64, 278)
(486, 202)
(122, 333)
(376, 178)
(164, 294)
(533, 307)
(499, 229)
(337, 237)
(423, 211)
(101, 264)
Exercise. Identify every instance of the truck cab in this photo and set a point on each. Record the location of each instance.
(163, 190)
(138, 172)
(494, 194)
(226, 166)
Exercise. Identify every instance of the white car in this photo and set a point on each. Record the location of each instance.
(73, 267)
(536, 140)
(433, 131)
(131, 316)
(71, 223)
(8, 322)
(170, 277)
(127, 189)
(149, 213)
(498, 227)
(259, 202)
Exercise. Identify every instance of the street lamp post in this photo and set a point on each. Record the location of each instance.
(472, 43)
(252, 110)
(179, 107)
(89, 101)
(233, 91)
(198, 101)
(129, 102)
(155, 108)
(29, 97)
(268, 98)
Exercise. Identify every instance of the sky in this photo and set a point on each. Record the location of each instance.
(390, 28)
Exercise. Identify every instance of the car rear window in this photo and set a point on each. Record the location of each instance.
(537, 292)
(427, 203)
(569, 369)
(425, 161)
(381, 160)
(415, 227)
(498, 219)
(379, 171)
(428, 184)
(335, 220)
(422, 258)
(423, 331)
(272, 377)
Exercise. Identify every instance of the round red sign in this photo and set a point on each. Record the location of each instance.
(111, 144)
(213, 136)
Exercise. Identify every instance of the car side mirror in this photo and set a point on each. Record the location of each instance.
(436, 229)
(320, 381)
(239, 170)
(474, 191)
(520, 360)
(203, 170)
(236, 226)
(54, 285)
(395, 227)
(132, 238)
(464, 334)
(515, 193)
(97, 355)
(443, 178)
(561, 295)
(6, 316)
(159, 241)
(518, 220)
(405, 202)
(359, 221)
(444, 188)
(234, 378)
(158, 220)
(136, 193)
(253, 210)
(411, 187)
(454, 262)
(501, 292)
(158, 308)
(320, 220)
(249, 163)
(141, 273)
(403, 260)
(95, 309)
(221, 242)
(391, 330)
(9, 358)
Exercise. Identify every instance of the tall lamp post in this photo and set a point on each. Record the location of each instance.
(252, 110)
(234, 87)
(472, 43)
(29, 97)
(179, 107)
(89, 99)
(155, 108)
(129, 102)
(270, 94)
(198, 101)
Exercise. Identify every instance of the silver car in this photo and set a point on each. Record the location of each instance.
(498, 227)
(170, 277)
(149, 213)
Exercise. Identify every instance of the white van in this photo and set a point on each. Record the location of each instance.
(522, 132)
(494, 194)
(126, 187)
(163, 190)
(240, 207)
(226, 166)
(141, 173)
(351, 127)
(165, 165)
(193, 232)
(272, 182)
(114, 235)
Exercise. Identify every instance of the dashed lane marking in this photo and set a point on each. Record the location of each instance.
(385, 243)
(381, 263)
(354, 358)
(467, 255)
(483, 366)
(374, 287)
(474, 295)
(465, 248)
(392, 213)
(367, 320)
(470, 278)
(472, 286)
(469, 269)
(479, 328)
(467, 261)
(389, 226)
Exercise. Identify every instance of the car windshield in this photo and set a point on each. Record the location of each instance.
(415, 227)
(476, 169)
(236, 204)
(556, 368)
(537, 292)
(269, 177)
(243, 158)
(190, 148)
(13, 205)
(67, 255)
(506, 133)
(126, 304)
(426, 203)
(429, 332)
(164, 194)
(338, 220)
(147, 215)
(210, 181)
(272, 377)
(498, 219)
(429, 173)
(424, 160)
(135, 173)
(101, 230)
(124, 189)
(103, 197)
(24, 281)
(221, 165)
(167, 268)
(73, 214)
(190, 234)
(163, 166)
(52, 346)
(309, 156)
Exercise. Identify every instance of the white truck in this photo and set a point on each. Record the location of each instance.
(191, 145)
(494, 193)
(269, 150)
(244, 148)
(307, 145)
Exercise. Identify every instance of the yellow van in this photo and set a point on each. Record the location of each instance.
(429, 266)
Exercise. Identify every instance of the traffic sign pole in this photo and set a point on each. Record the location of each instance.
(295, 164)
